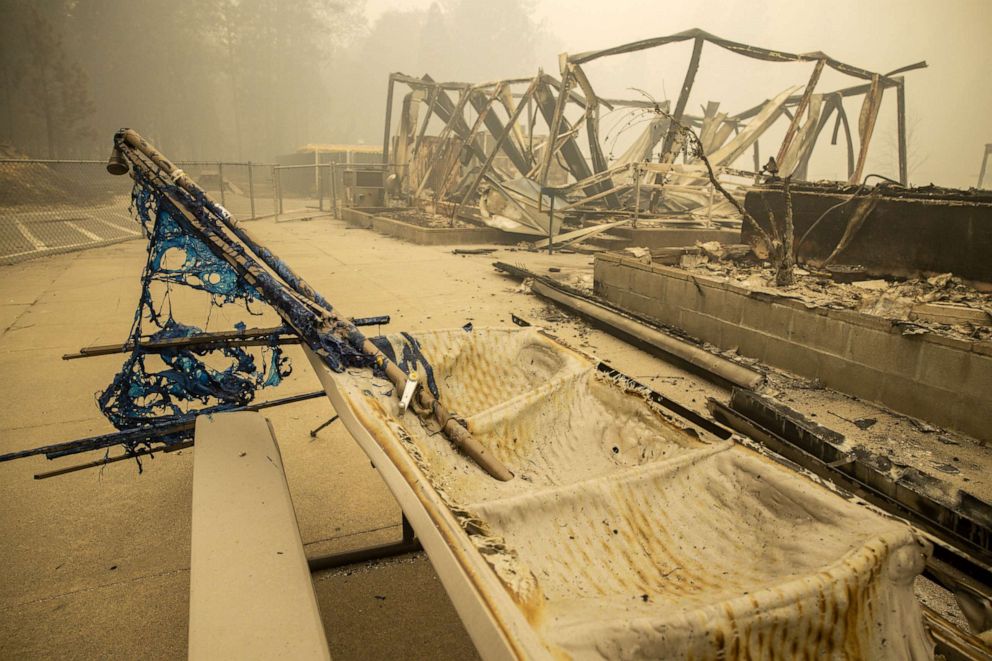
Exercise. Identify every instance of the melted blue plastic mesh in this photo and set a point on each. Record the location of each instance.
(140, 394)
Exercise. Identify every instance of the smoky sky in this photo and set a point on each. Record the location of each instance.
(253, 79)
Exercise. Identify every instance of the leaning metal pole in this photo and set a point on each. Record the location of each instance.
(303, 309)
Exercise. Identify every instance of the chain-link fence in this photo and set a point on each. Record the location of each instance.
(49, 207)
(247, 190)
(59, 206)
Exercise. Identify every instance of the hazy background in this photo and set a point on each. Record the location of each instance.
(252, 79)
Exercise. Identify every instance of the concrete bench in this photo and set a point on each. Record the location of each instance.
(251, 596)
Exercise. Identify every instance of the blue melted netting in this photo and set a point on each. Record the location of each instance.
(145, 390)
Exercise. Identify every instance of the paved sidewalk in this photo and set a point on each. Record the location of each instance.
(96, 562)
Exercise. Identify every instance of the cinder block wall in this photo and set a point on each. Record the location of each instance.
(943, 380)
(367, 218)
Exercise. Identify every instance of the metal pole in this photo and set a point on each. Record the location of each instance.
(551, 224)
(320, 190)
(334, 190)
(709, 208)
(757, 163)
(637, 193)
(251, 191)
(220, 175)
(901, 118)
(389, 118)
(275, 192)
(985, 161)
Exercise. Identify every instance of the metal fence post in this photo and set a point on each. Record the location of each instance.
(251, 191)
(276, 193)
(334, 190)
(220, 175)
(320, 190)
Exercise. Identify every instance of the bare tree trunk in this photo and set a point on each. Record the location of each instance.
(785, 267)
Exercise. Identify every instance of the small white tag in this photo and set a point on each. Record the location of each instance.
(408, 390)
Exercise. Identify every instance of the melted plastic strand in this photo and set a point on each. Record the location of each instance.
(140, 395)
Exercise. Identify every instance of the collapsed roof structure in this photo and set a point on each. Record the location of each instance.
(510, 146)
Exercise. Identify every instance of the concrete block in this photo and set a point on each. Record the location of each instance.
(943, 367)
(885, 350)
(952, 342)
(681, 292)
(918, 399)
(725, 304)
(816, 330)
(701, 326)
(794, 357)
(724, 334)
(969, 413)
(671, 272)
(771, 318)
(647, 283)
(982, 348)
(615, 275)
(748, 342)
(978, 380)
(859, 319)
(634, 302)
(666, 311)
(852, 377)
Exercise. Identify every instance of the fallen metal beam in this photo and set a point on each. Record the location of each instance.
(98, 463)
(623, 324)
(248, 338)
(147, 434)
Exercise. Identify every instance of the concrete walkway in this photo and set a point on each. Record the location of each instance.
(96, 563)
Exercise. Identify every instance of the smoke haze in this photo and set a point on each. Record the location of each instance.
(253, 79)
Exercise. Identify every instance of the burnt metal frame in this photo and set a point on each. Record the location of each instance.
(550, 97)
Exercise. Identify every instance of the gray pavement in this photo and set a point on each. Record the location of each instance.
(95, 563)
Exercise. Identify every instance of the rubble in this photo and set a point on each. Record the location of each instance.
(942, 304)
